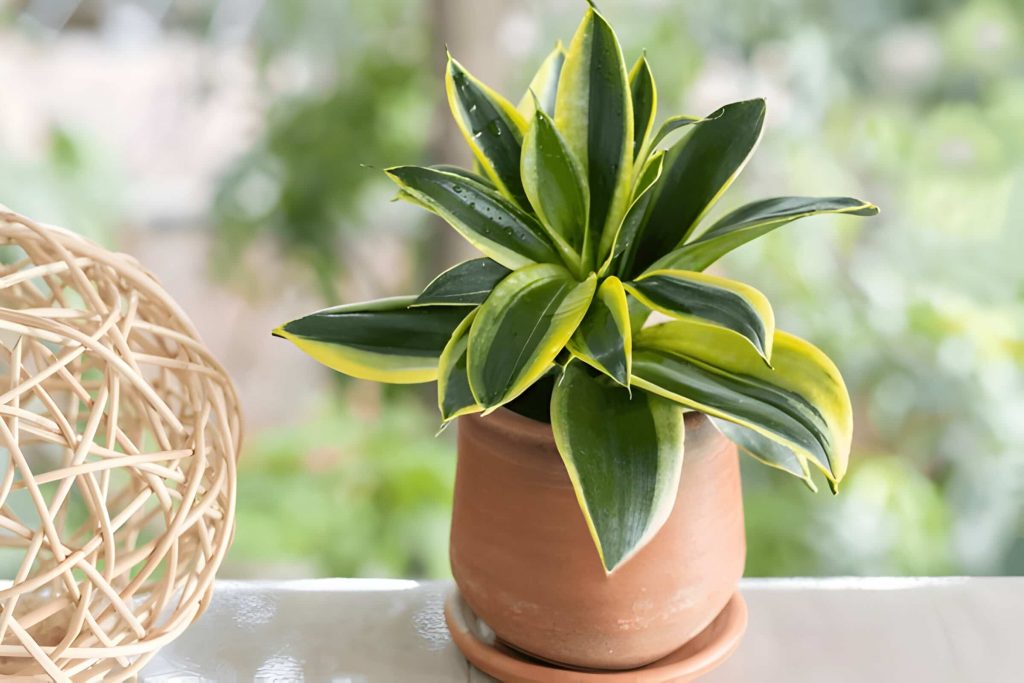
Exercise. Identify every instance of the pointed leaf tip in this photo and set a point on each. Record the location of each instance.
(381, 341)
(594, 113)
(801, 405)
(604, 338)
(625, 499)
(492, 128)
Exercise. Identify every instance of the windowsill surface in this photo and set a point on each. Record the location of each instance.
(801, 630)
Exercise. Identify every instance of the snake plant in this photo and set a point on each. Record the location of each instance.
(588, 217)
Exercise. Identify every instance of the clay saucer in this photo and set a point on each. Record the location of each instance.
(707, 650)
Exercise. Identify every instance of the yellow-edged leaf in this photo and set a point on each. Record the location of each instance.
(644, 94)
(800, 402)
(603, 340)
(624, 455)
(594, 113)
(752, 221)
(521, 328)
(382, 341)
(544, 85)
(556, 188)
(730, 304)
(489, 221)
(454, 397)
(493, 128)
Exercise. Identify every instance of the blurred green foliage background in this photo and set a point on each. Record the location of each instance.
(916, 105)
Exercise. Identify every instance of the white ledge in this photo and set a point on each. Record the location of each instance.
(802, 630)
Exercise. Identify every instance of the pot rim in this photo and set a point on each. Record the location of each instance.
(513, 424)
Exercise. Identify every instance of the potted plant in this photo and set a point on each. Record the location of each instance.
(597, 519)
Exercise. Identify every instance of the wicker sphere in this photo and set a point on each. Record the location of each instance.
(119, 436)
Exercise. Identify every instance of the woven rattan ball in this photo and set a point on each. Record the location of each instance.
(119, 435)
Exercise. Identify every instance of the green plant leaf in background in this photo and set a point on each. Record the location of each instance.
(383, 340)
(644, 94)
(594, 112)
(752, 221)
(554, 183)
(801, 402)
(491, 223)
(454, 396)
(624, 455)
(604, 340)
(521, 328)
(492, 128)
(718, 300)
(465, 284)
(544, 86)
(698, 169)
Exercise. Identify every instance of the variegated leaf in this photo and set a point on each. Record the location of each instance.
(594, 112)
(555, 185)
(754, 220)
(603, 340)
(698, 169)
(382, 341)
(644, 94)
(800, 402)
(624, 455)
(730, 304)
(489, 221)
(493, 128)
(454, 397)
(544, 86)
(465, 284)
(521, 328)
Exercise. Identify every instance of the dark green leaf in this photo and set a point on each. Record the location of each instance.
(492, 128)
(521, 328)
(383, 340)
(466, 284)
(491, 223)
(698, 169)
(603, 340)
(645, 103)
(594, 112)
(624, 456)
(754, 220)
(727, 303)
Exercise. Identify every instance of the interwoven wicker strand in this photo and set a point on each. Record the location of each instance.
(119, 436)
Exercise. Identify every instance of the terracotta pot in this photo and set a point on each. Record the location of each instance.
(525, 564)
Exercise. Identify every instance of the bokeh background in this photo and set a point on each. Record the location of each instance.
(232, 145)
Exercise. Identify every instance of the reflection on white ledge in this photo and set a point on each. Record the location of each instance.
(322, 585)
(877, 629)
(867, 583)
